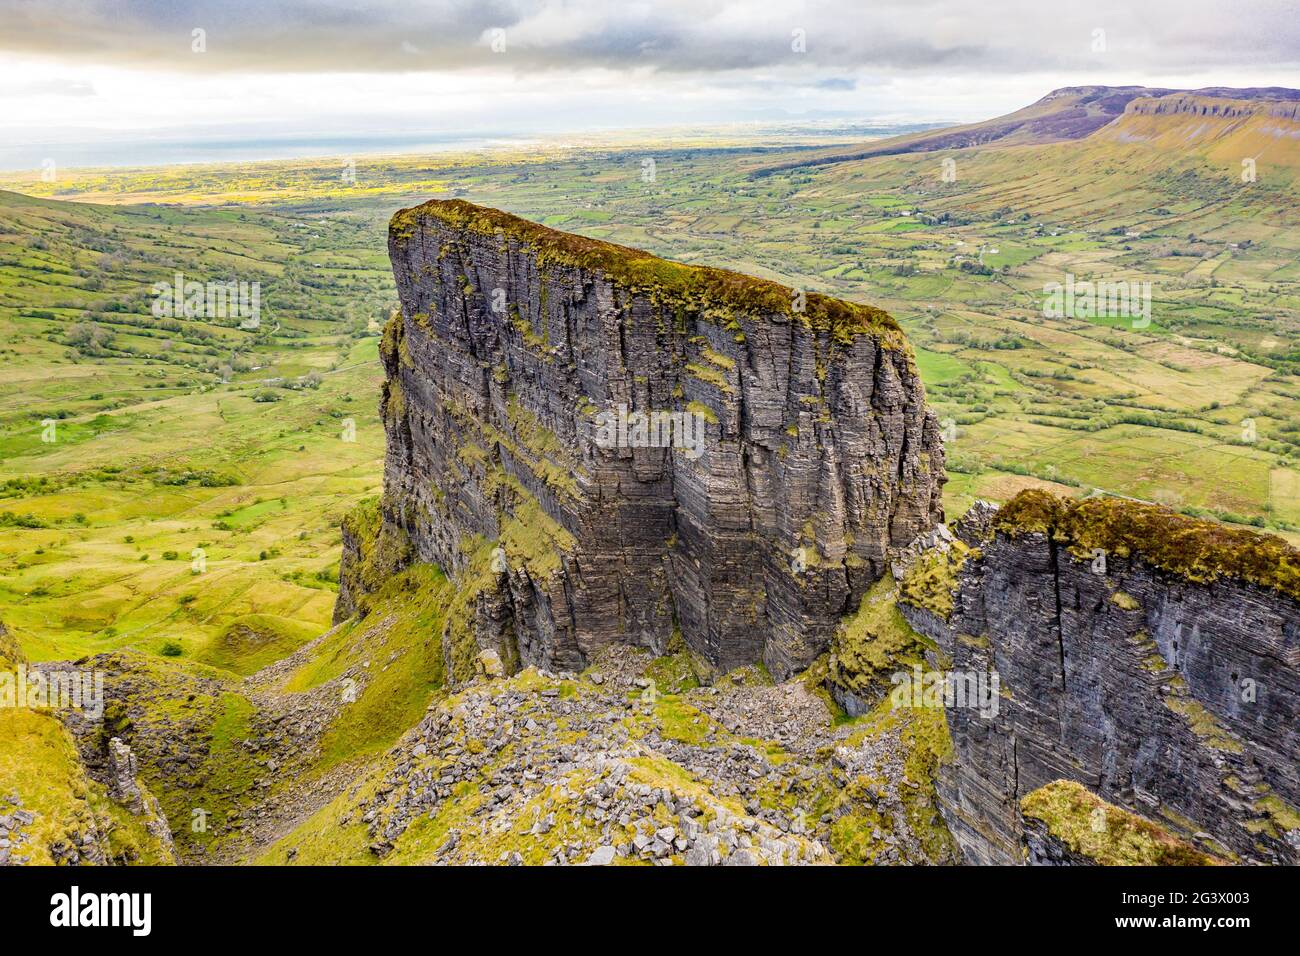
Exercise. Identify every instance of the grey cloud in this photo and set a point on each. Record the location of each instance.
(709, 36)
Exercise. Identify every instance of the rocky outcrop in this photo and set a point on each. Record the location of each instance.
(1153, 658)
(785, 446)
(14, 821)
(1221, 104)
(373, 551)
(349, 584)
(125, 787)
(976, 526)
(195, 757)
(57, 807)
(1067, 825)
(10, 654)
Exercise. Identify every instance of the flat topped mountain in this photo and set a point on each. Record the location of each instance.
(1226, 126)
(673, 284)
(522, 372)
(1074, 113)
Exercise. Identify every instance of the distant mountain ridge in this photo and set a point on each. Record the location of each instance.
(1073, 113)
(1225, 126)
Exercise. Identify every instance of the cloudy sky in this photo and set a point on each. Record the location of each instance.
(100, 70)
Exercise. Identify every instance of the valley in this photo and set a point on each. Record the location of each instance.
(174, 491)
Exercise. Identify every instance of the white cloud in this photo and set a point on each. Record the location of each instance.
(995, 36)
(73, 67)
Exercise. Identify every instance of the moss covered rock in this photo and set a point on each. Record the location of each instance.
(1198, 550)
(1067, 823)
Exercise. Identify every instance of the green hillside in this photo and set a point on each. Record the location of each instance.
(157, 456)
(163, 479)
(171, 488)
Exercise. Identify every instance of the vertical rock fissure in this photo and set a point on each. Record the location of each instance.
(1015, 767)
(1056, 597)
(1166, 736)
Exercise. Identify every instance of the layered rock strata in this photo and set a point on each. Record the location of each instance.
(788, 446)
(1153, 658)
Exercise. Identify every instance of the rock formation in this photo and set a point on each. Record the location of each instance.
(785, 446)
(1065, 824)
(1147, 665)
(57, 806)
(125, 787)
(1153, 658)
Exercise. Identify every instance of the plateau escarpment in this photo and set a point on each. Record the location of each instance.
(1153, 658)
(516, 375)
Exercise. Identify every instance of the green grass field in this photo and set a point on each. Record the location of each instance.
(148, 498)
(175, 485)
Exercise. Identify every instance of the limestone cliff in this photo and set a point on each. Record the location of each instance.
(515, 348)
(1153, 658)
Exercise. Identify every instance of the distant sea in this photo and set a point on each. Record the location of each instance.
(143, 151)
(170, 150)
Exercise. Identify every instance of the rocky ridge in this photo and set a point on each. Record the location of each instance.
(55, 808)
(633, 761)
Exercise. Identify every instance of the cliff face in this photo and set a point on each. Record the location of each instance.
(1154, 659)
(801, 450)
(1226, 106)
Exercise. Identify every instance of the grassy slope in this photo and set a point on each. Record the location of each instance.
(156, 461)
(41, 770)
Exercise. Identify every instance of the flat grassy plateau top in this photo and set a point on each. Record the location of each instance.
(1196, 549)
(671, 283)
